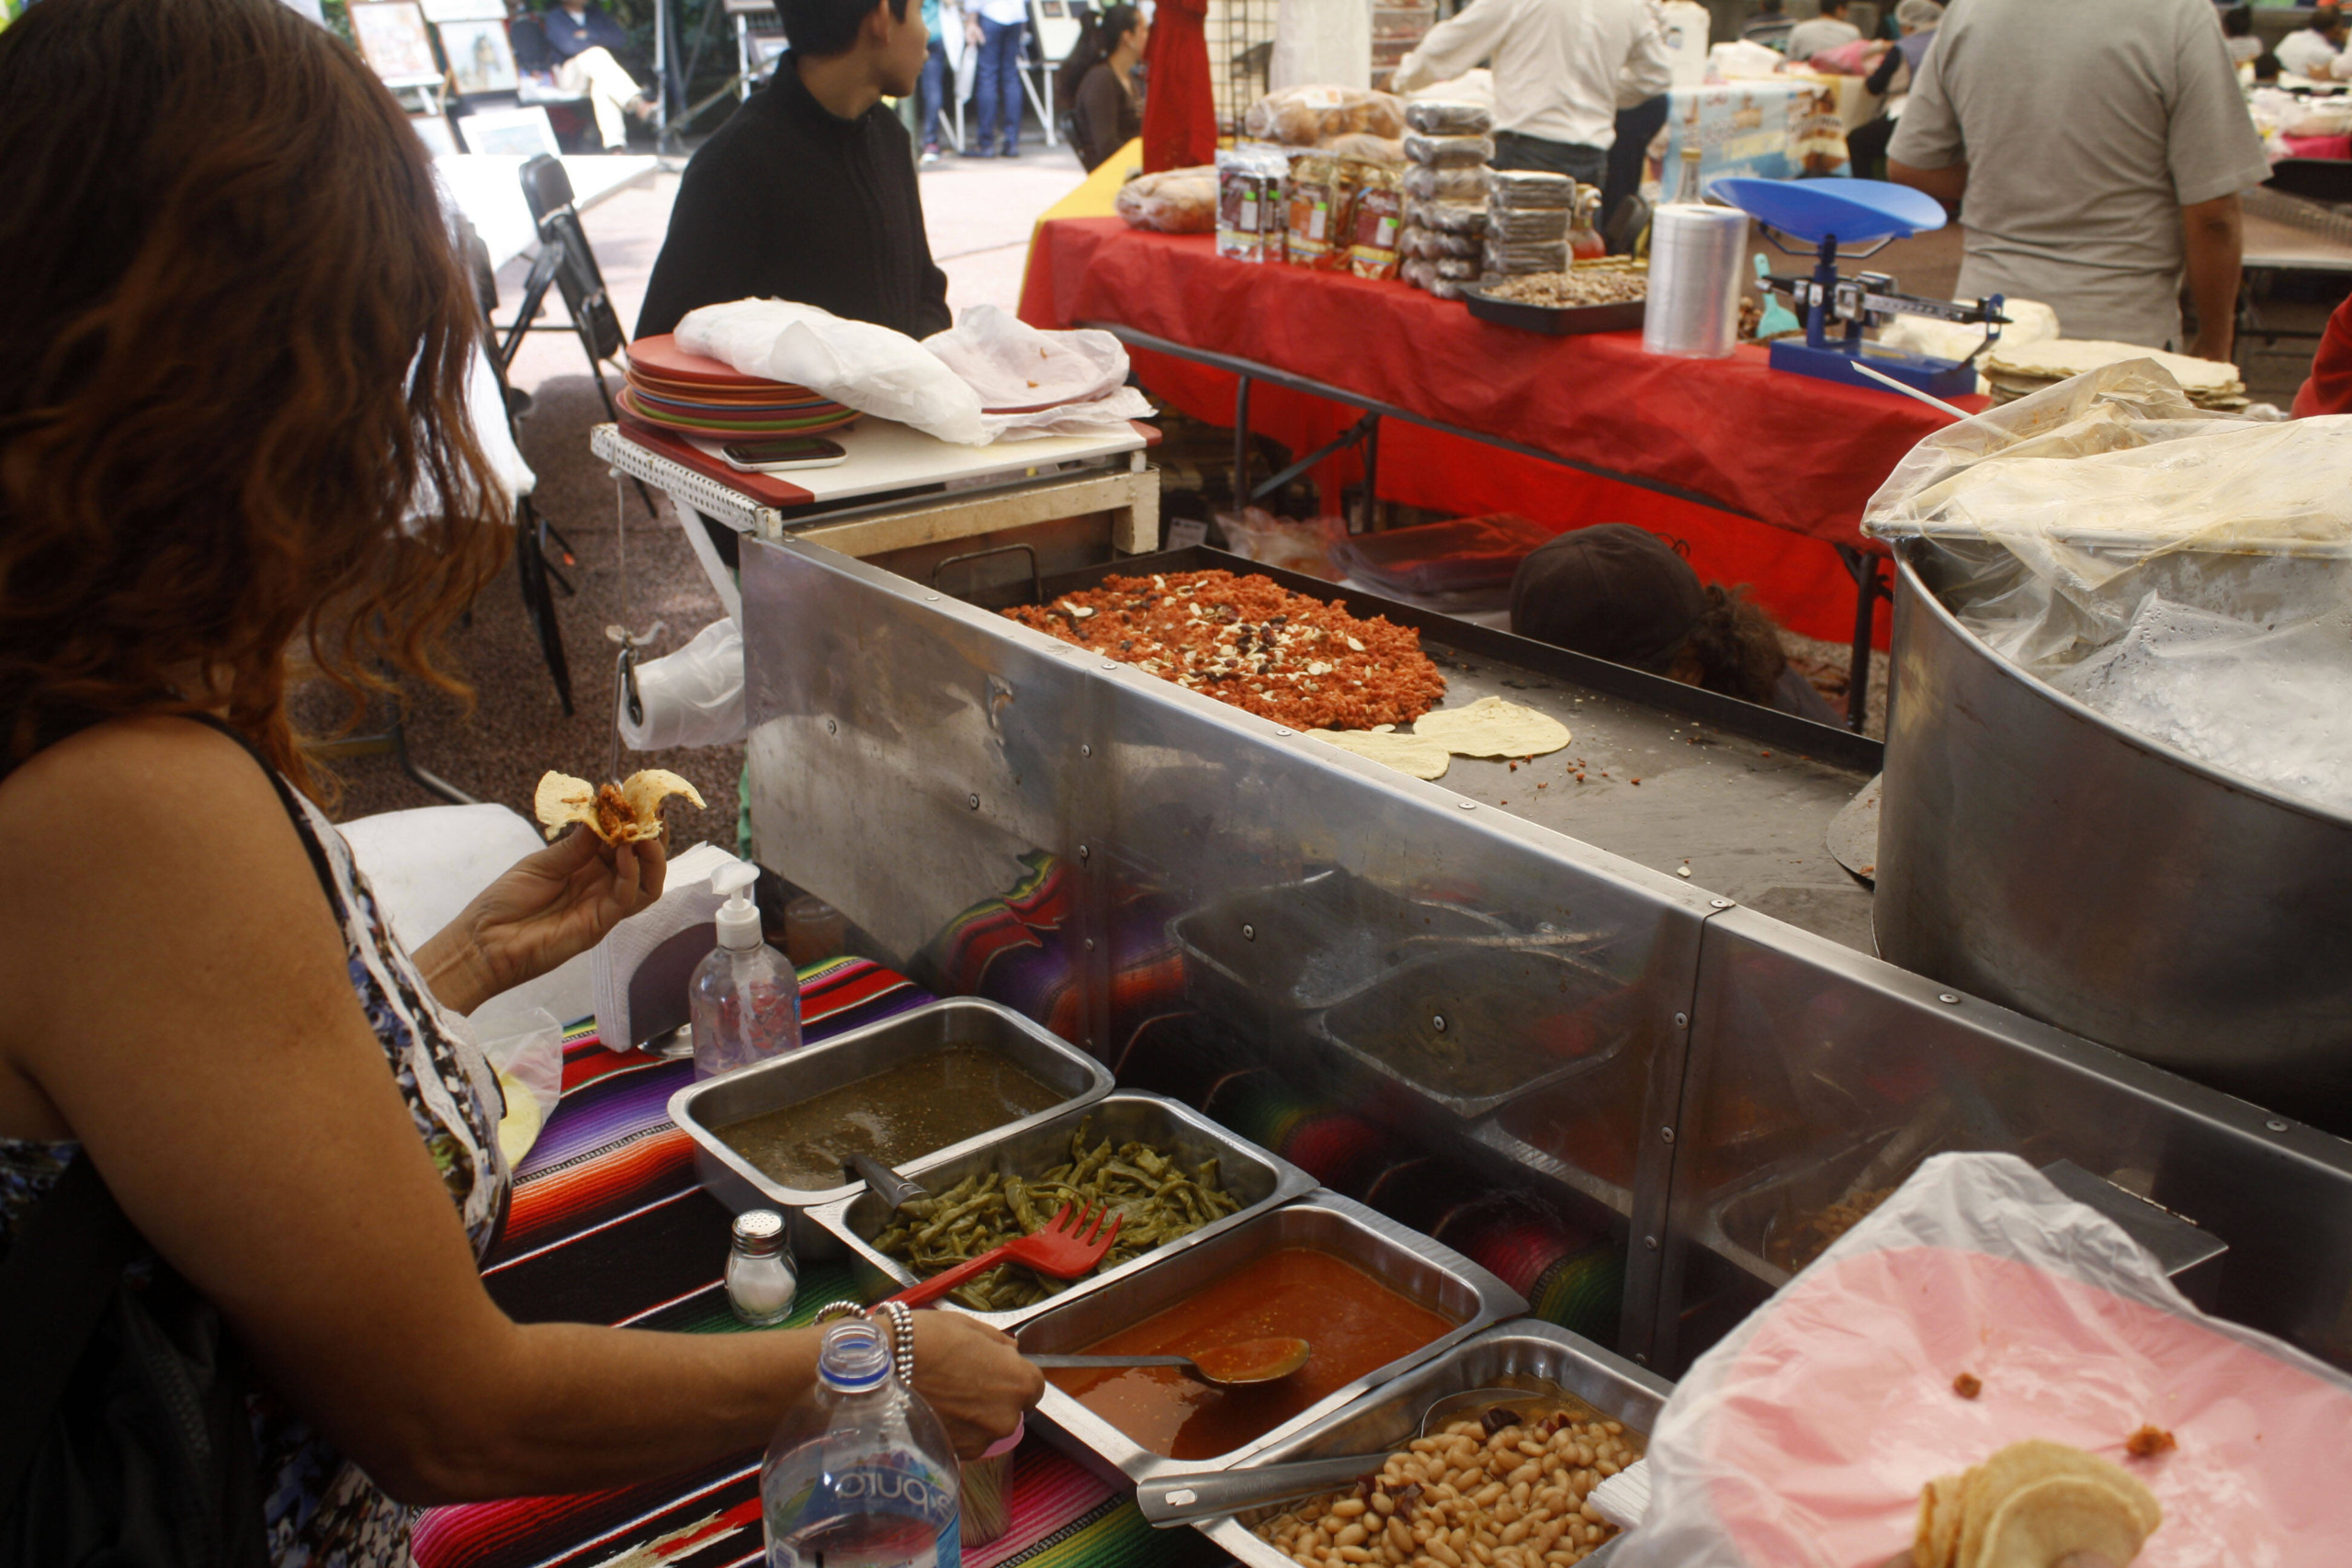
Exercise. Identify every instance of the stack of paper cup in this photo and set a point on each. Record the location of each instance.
(1697, 255)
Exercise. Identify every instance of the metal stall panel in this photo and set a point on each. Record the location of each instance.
(1457, 1003)
(1819, 1078)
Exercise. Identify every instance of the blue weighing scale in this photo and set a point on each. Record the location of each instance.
(1824, 214)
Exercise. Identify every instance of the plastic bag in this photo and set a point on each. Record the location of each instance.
(1423, 183)
(1519, 260)
(1741, 61)
(1307, 116)
(527, 1055)
(1456, 557)
(1448, 151)
(1422, 274)
(1431, 243)
(1318, 207)
(1014, 366)
(1174, 201)
(1449, 117)
(1294, 544)
(1366, 146)
(1377, 219)
(1523, 226)
(1251, 180)
(1803, 1439)
(694, 696)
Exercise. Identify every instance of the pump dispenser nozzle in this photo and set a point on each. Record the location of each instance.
(739, 917)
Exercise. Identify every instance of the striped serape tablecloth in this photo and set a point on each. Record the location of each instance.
(610, 1225)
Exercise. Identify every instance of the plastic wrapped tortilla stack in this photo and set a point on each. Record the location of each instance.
(2016, 371)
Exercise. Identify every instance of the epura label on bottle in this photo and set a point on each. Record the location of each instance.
(886, 1512)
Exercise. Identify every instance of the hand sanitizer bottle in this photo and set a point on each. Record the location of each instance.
(744, 1000)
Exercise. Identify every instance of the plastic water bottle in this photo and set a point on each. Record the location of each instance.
(861, 1475)
(744, 1000)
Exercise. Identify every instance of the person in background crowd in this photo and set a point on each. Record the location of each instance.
(1621, 593)
(1866, 143)
(930, 96)
(1770, 25)
(2100, 146)
(2237, 35)
(1563, 69)
(996, 29)
(1107, 113)
(283, 1100)
(2315, 49)
(2328, 389)
(1823, 33)
(583, 38)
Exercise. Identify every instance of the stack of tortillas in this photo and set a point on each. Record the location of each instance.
(1488, 727)
(2031, 1505)
(2014, 371)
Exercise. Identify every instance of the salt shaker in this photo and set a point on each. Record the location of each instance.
(761, 1281)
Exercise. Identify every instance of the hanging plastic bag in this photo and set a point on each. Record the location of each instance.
(1802, 1440)
(694, 696)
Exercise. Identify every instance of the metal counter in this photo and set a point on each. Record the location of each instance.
(927, 765)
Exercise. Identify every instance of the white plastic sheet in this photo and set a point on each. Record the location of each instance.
(2187, 574)
(694, 696)
(1013, 365)
(1802, 1441)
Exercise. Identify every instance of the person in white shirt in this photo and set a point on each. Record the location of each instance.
(2237, 35)
(1827, 31)
(1563, 69)
(2314, 48)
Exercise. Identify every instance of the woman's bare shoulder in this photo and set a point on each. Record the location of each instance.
(123, 785)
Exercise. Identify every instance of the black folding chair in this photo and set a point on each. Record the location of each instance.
(566, 261)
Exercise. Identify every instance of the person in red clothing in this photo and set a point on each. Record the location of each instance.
(2329, 388)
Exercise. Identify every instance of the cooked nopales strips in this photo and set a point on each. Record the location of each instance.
(623, 812)
(2031, 1505)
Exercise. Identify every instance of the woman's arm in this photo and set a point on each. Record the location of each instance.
(550, 907)
(179, 1002)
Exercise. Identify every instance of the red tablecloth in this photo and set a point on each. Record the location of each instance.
(1799, 454)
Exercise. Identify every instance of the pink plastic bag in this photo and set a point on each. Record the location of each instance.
(1803, 1439)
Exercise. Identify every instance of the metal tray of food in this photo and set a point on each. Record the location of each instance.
(1525, 1353)
(1476, 1026)
(1407, 1261)
(800, 1075)
(1624, 316)
(1261, 1181)
(1268, 955)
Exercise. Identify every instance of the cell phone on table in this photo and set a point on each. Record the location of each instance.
(771, 454)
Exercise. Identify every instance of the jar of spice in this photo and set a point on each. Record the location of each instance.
(761, 1280)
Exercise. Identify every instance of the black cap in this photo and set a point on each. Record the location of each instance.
(1612, 590)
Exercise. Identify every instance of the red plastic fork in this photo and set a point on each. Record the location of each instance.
(1064, 1250)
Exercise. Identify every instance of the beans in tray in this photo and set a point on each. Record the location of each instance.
(1160, 1197)
(1580, 286)
(1494, 1492)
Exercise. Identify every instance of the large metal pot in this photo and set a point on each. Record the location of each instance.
(2032, 852)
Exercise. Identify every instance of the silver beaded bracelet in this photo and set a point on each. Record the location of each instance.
(902, 1340)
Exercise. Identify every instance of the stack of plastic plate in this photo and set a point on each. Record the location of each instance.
(686, 394)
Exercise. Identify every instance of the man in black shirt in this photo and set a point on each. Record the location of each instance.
(809, 193)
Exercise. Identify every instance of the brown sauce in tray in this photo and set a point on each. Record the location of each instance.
(898, 1114)
(1351, 1321)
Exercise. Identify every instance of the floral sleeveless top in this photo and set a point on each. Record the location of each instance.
(320, 1510)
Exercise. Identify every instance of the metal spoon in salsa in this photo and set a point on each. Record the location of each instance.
(1241, 1365)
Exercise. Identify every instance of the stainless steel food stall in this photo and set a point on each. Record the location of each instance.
(1643, 1000)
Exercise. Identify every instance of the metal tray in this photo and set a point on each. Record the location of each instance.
(1269, 956)
(791, 1079)
(1259, 1179)
(1405, 1260)
(1527, 1353)
(1432, 1002)
(1624, 316)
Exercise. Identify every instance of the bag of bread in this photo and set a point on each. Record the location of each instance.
(1312, 232)
(1448, 151)
(1311, 115)
(1379, 215)
(1422, 183)
(1448, 117)
(1368, 147)
(1249, 183)
(1174, 201)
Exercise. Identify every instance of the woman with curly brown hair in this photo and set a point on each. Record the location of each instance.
(233, 345)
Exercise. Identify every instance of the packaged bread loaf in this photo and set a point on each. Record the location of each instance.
(1464, 183)
(1435, 117)
(1313, 232)
(1174, 201)
(1446, 217)
(1529, 189)
(1423, 274)
(1448, 151)
(1379, 216)
(1249, 181)
(1507, 225)
(1434, 242)
(1311, 116)
(1505, 260)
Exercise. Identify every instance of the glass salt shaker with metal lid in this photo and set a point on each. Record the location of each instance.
(762, 1279)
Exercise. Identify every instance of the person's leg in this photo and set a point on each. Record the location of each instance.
(609, 89)
(993, 60)
(1635, 127)
(1009, 87)
(932, 93)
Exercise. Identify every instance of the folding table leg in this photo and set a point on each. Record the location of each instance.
(1242, 445)
(1868, 590)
